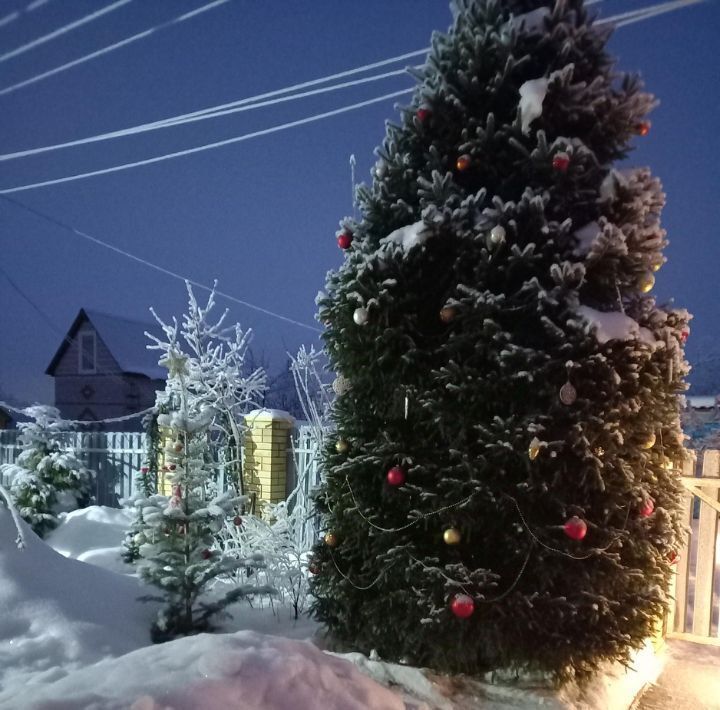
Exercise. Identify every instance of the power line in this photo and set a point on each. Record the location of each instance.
(238, 107)
(629, 18)
(63, 30)
(208, 146)
(111, 47)
(621, 19)
(84, 235)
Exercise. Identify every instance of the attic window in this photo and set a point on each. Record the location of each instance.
(87, 353)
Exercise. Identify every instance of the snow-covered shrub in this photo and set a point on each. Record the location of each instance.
(47, 479)
(278, 541)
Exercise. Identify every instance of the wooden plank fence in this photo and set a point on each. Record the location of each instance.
(696, 609)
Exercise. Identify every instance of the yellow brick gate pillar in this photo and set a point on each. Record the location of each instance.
(267, 444)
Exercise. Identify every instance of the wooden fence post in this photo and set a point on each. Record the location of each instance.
(267, 442)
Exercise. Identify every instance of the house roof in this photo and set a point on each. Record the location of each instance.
(123, 337)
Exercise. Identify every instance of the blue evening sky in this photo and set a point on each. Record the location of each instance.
(261, 216)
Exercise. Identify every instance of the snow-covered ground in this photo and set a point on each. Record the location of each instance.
(73, 635)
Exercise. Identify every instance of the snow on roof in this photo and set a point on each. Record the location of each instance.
(124, 338)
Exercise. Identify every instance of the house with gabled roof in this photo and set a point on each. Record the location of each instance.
(103, 369)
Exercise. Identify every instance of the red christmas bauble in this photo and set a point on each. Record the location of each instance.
(423, 114)
(396, 476)
(463, 162)
(344, 240)
(684, 335)
(144, 469)
(462, 606)
(672, 557)
(643, 128)
(237, 521)
(561, 162)
(172, 466)
(648, 507)
(206, 554)
(575, 528)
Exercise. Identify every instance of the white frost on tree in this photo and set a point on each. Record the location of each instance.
(48, 479)
(205, 390)
(217, 381)
(276, 540)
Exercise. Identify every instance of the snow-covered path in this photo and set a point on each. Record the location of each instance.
(690, 680)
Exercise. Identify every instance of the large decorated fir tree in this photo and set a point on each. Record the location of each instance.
(501, 491)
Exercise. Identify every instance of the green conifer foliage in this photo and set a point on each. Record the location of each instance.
(47, 479)
(498, 345)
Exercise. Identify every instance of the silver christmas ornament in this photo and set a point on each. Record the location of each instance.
(360, 316)
(497, 235)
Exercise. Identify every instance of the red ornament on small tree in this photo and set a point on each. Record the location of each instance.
(344, 240)
(672, 557)
(462, 605)
(237, 521)
(206, 554)
(643, 128)
(575, 528)
(396, 476)
(561, 162)
(684, 335)
(648, 507)
(144, 469)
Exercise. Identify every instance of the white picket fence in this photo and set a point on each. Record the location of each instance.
(117, 457)
(696, 610)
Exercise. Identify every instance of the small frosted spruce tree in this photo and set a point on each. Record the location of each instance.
(176, 532)
(501, 492)
(47, 479)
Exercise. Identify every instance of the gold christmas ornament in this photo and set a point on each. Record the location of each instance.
(647, 282)
(451, 536)
(657, 263)
(534, 449)
(331, 539)
(568, 394)
(599, 451)
(649, 441)
(341, 446)
(447, 314)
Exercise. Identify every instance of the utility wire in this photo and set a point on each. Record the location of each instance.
(629, 18)
(625, 18)
(111, 47)
(208, 146)
(255, 101)
(84, 235)
(246, 105)
(63, 30)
